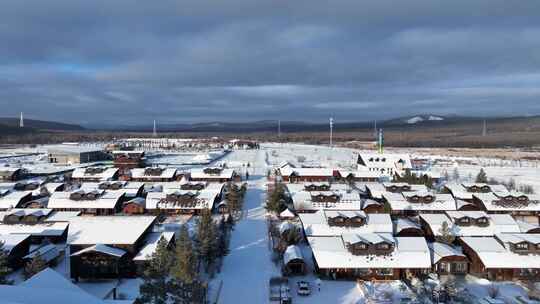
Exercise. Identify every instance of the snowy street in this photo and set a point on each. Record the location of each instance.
(248, 267)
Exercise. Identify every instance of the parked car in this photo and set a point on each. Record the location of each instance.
(304, 288)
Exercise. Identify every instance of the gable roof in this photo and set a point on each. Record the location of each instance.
(107, 230)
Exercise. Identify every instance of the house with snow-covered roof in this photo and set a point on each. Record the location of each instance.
(371, 256)
(414, 203)
(336, 222)
(387, 164)
(448, 259)
(88, 201)
(468, 223)
(16, 246)
(94, 174)
(177, 201)
(13, 199)
(522, 206)
(153, 174)
(301, 175)
(214, 175)
(504, 256)
(104, 246)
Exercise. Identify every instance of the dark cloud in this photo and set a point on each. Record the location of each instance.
(131, 62)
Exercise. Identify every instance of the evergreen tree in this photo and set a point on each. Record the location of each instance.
(274, 202)
(4, 268)
(35, 265)
(481, 177)
(446, 235)
(185, 267)
(156, 283)
(206, 240)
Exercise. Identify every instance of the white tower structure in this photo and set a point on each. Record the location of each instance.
(331, 129)
(21, 121)
(154, 132)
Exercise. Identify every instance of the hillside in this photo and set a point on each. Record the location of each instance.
(33, 125)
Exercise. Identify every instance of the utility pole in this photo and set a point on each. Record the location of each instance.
(375, 130)
(279, 129)
(331, 129)
(21, 121)
(484, 129)
(154, 132)
(381, 139)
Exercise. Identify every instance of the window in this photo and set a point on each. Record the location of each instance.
(522, 246)
(385, 271)
(361, 246)
(482, 220)
(460, 267)
(383, 246)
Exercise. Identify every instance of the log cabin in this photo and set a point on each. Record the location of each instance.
(94, 174)
(108, 241)
(448, 259)
(504, 257)
(369, 256)
(333, 223)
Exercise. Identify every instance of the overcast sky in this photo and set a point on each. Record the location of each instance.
(129, 62)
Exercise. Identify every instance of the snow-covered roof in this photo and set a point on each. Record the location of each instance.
(286, 214)
(409, 252)
(10, 241)
(320, 172)
(494, 255)
(375, 189)
(12, 199)
(71, 149)
(41, 229)
(316, 224)
(28, 211)
(47, 252)
(386, 160)
(62, 216)
(525, 227)
(107, 199)
(166, 173)
(203, 199)
(404, 223)
(292, 252)
(515, 238)
(440, 250)
(302, 200)
(223, 174)
(108, 250)
(398, 202)
(151, 243)
(497, 223)
(85, 173)
(108, 230)
(492, 202)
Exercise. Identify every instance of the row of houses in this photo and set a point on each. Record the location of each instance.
(385, 230)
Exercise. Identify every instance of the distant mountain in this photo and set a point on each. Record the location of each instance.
(33, 125)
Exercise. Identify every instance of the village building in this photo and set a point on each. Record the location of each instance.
(414, 203)
(12, 174)
(301, 175)
(104, 246)
(243, 144)
(371, 256)
(177, 201)
(384, 164)
(49, 253)
(359, 176)
(304, 201)
(334, 223)
(88, 201)
(468, 223)
(94, 174)
(52, 232)
(125, 160)
(524, 207)
(214, 175)
(16, 246)
(293, 261)
(74, 154)
(448, 259)
(49, 286)
(408, 227)
(13, 199)
(504, 257)
(153, 174)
